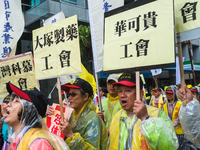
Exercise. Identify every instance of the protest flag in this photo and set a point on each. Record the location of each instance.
(10, 31)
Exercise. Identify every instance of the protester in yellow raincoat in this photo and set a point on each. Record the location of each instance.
(137, 126)
(159, 99)
(110, 105)
(85, 129)
(172, 108)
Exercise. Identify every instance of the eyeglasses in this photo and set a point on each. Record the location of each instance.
(71, 94)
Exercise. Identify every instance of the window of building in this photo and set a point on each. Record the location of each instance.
(70, 1)
(28, 4)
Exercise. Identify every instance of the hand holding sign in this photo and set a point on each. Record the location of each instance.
(66, 128)
(50, 111)
(140, 110)
(185, 94)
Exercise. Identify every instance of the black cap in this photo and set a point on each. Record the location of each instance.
(79, 84)
(157, 89)
(32, 95)
(127, 79)
(169, 90)
(6, 99)
(194, 89)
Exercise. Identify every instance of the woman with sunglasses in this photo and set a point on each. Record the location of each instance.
(24, 114)
(84, 130)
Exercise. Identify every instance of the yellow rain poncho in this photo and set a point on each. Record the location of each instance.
(89, 130)
(156, 133)
(111, 106)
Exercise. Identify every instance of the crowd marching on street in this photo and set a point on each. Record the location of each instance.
(109, 106)
(125, 122)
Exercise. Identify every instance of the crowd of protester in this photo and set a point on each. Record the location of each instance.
(171, 121)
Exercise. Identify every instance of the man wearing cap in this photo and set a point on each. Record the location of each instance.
(111, 104)
(24, 114)
(159, 99)
(172, 109)
(138, 126)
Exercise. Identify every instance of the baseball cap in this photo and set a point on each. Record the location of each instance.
(113, 77)
(32, 95)
(157, 89)
(127, 79)
(194, 89)
(169, 90)
(178, 86)
(6, 99)
(79, 84)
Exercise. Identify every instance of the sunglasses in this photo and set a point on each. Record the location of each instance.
(71, 94)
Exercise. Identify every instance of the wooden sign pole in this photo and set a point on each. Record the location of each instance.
(191, 61)
(137, 85)
(60, 99)
(8, 55)
(181, 65)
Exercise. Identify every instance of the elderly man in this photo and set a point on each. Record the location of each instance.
(138, 126)
(110, 105)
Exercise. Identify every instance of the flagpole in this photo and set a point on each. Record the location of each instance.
(98, 94)
(156, 80)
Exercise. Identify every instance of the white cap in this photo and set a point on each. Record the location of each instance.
(113, 77)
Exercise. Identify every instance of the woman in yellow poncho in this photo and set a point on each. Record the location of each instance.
(84, 130)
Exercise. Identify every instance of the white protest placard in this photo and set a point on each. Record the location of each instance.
(56, 49)
(187, 19)
(139, 36)
(19, 70)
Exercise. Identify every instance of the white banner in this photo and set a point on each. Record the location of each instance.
(57, 17)
(11, 25)
(96, 16)
(178, 77)
(156, 72)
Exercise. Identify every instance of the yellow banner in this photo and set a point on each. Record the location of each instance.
(187, 15)
(56, 49)
(140, 37)
(19, 70)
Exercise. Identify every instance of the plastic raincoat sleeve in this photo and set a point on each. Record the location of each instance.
(90, 140)
(159, 132)
(189, 116)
